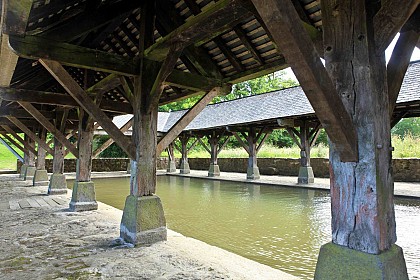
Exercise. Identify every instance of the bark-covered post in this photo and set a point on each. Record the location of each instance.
(252, 171)
(363, 218)
(58, 183)
(84, 197)
(30, 169)
(171, 159)
(41, 176)
(184, 167)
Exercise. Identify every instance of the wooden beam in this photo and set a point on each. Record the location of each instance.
(33, 47)
(109, 142)
(291, 38)
(18, 138)
(200, 27)
(398, 64)
(50, 127)
(389, 20)
(190, 81)
(15, 143)
(73, 88)
(241, 142)
(186, 119)
(30, 134)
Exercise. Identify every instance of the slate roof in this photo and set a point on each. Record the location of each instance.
(286, 103)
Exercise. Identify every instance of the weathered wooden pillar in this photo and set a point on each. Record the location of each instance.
(214, 169)
(363, 219)
(25, 162)
(30, 169)
(252, 171)
(171, 159)
(305, 138)
(184, 167)
(58, 184)
(84, 197)
(41, 176)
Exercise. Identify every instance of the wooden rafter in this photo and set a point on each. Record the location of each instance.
(50, 127)
(15, 143)
(18, 138)
(389, 20)
(291, 38)
(72, 87)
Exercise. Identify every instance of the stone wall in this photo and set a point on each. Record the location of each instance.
(406, 170)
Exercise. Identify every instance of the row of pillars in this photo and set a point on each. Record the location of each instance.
(251, 140)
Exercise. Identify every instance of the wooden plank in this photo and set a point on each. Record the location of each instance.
(33, 203)
(41, 202)
(24, 204)
(109, 142)
(16, 144)
(33, 47)
(186, 119)
(30, 134)
(60, 200)
(200, 28)
(51, 202)
(14, 205)
(72, 87)
(398, 64)
(50, 127)
(389, 20)
(190, 81)
(16, 13)
(283, 23)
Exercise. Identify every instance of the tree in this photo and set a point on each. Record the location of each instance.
(407, 126)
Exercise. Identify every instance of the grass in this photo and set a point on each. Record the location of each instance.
(407, 147)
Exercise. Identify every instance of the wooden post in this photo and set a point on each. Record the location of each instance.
(214, 169)
(171, 159)
(30, 170)
(84, 197)
(58, 183)
(184, 167)
(252, 171)
(41, 176)
(363, 218)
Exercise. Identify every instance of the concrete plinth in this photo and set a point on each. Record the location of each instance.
(29, 173)
(23, 171)
(214, 170)
(184, 168)
(143, 220)
(253, 173)
(339, 262)
(306, 175)
(58, 184)
(171, 167)
(84, 197)
(40, 178)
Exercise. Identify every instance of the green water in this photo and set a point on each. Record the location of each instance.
(280, 227)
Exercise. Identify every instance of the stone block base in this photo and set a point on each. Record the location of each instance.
(23, 171)
(171, 167)
(184, 168)
(29, 173)
(253, 173)
(84, 197)
(339, 262)
(58, 184)
(214, 170)
(143, 221)
(40, 178)
(306, 175)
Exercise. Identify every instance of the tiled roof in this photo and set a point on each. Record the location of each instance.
(290, 102)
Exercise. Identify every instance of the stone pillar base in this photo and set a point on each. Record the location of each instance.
(306, 175)
(83, 198)
(214, 170)
(40, 178)
(143, 221)
(29, 173)
(184, 168)
(58, 184)
(339, 262)
(23, 171)
(171, 167)
(253, 173)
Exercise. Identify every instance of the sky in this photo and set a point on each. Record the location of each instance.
(388, 52)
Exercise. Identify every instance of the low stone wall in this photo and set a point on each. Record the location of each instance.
(405, 170)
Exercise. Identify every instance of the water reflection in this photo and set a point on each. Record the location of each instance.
(280, 227)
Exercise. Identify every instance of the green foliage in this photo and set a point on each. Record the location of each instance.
(113, 151)
(409, 126)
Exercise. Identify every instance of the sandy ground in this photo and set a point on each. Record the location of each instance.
(49, 242)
